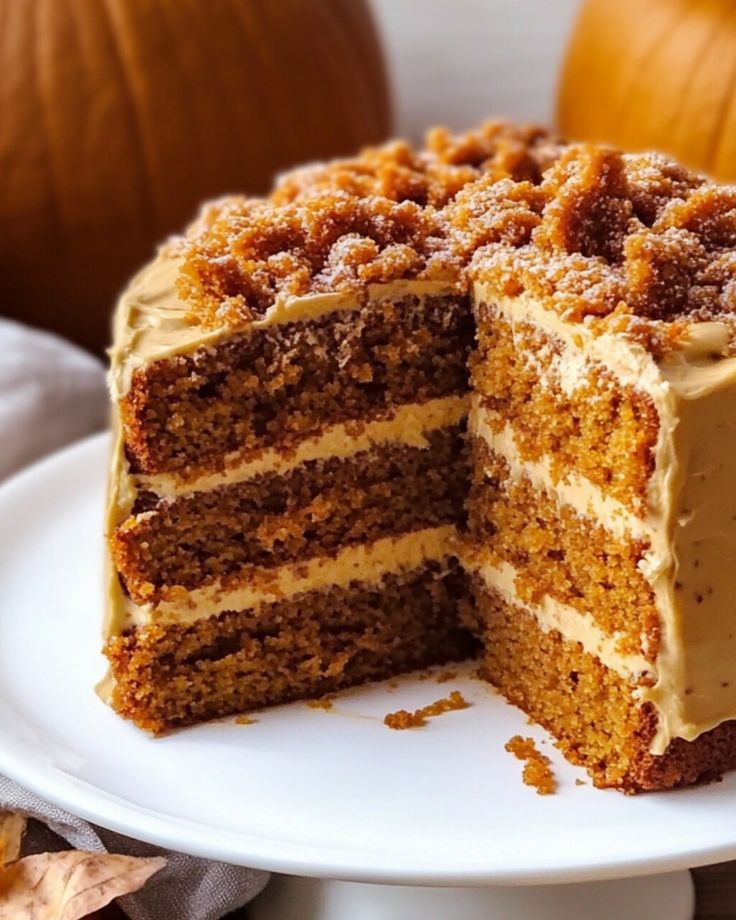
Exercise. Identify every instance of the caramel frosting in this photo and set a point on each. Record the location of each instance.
(690, 515)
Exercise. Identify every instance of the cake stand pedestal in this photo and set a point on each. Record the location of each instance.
(657, 897)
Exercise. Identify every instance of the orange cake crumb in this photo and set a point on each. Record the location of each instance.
(324, 703)
(245, 720)
(402, 718)
(439, 677)
(537, 770)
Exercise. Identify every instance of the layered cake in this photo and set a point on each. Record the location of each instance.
(422, 405)
(291, 389)
(602, 514)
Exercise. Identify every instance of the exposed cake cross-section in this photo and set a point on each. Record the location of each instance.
(420, 405)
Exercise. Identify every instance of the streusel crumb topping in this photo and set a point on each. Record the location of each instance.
(626, 242)
(629, 242)
(341, 225)
(244, 254)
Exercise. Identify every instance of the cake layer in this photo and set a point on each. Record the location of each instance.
(313, 510)
(283, 382)
(594, 712)
(575, 412)
(367, 563)
(409, 424)
(550, 614)
(560, 552)
(304, 646)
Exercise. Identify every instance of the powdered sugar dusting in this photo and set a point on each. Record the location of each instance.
(342, 225)
(626, 243)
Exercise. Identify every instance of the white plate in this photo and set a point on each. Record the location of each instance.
(303, 791)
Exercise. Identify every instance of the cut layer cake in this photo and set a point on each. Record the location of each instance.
(417, 406)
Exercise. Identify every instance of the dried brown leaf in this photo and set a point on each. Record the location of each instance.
(12, 826)
(71, 884)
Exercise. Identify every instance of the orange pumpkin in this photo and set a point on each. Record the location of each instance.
(117, 118)
(655, 74)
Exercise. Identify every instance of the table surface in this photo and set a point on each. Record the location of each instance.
(715, 887)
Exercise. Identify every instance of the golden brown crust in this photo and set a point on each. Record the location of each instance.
(684, 763)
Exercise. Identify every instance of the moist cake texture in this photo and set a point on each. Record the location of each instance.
(422, 404)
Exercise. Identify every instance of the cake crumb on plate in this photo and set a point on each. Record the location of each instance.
(537, 771)
(324, 702)
(402, 718)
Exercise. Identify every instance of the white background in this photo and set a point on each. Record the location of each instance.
(456, 62)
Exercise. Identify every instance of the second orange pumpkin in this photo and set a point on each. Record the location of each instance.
(658, 75)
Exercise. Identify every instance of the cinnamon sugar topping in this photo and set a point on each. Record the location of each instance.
(342, 225)
(629, 243)
(434, 175)
(245, 255)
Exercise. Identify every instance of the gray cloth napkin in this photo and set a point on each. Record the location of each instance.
(52, 393)
(186, 888)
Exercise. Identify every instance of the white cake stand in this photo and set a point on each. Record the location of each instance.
(327, 795)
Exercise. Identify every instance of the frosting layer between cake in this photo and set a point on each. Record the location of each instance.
(568, 622)
(367, 563)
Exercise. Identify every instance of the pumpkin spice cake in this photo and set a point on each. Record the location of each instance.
(420, 405)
